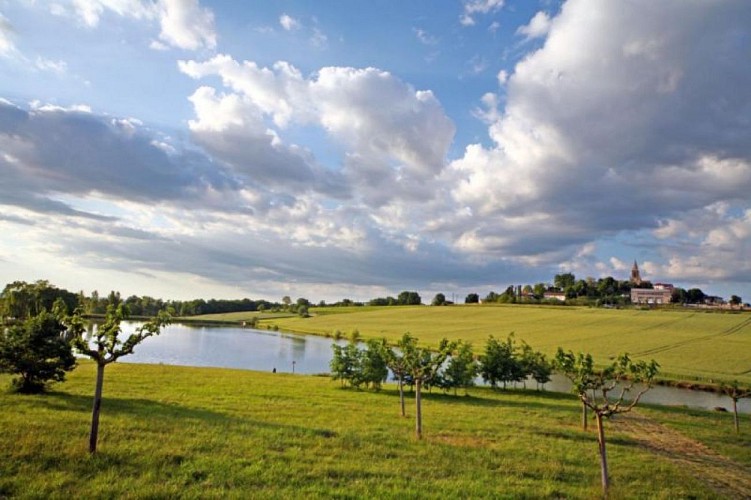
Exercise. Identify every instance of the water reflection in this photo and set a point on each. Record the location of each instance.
(233, 347)
(264, 350)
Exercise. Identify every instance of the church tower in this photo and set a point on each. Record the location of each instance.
(635, 276)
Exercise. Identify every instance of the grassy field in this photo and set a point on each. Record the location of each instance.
(216, 433)
(690, 345)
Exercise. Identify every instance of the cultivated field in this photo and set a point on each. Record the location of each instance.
(176, 432)
(692, 345)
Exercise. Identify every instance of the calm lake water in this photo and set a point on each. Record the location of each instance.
(264, 350)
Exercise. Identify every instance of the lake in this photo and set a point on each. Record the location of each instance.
(265, 350)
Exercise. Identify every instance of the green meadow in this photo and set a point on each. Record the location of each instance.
(183, 432)
(689, 345)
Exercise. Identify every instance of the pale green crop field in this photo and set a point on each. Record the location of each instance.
(691, 345)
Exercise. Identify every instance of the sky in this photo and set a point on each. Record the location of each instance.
(354, 149)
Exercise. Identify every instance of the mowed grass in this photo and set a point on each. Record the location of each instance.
(236, 317)
(690, 345)
(217, 433)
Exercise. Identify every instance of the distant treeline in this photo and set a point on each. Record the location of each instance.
(21, 299)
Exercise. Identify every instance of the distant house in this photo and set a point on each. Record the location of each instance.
(660, 294)
(714, 300)
(555, 296)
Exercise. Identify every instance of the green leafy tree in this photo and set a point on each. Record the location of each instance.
(534, 364)
(346, 364)
(439, 299)
(461, 369)
(373, 363)
(407, 298)
(23, 300)
(472, 298)
(423, 366)
(564, 280)
(735, 392)
(396, 361)
(37, 351)
(106, 347)
(735, 300)
(604, 390)
(541, 370)
(499, 363)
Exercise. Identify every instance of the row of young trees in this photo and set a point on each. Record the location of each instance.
(453, 365)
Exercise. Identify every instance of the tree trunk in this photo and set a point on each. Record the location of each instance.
(735, 416)
(418, 408)
(603, 455)
(94, 434)
(584, 416)
(401, 396)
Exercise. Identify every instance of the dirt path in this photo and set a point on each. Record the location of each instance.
(727, 478)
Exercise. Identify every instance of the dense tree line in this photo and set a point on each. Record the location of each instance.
(405, 298)
(21, 300)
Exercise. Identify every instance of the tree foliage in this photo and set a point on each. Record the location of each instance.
(21, 300)
(472, 298)
(423, 365)
(500, 364)
(439, 299)
(461, 370)
(356, 367)
(106, 347)
(37, 351)
(604, 391)
(735, 392)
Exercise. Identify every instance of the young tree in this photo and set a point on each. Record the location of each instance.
(534, 364)
(423, 366)
(735, 392)
(397, 363)
(37, 351)
(373, 363)
(346, 364)
(500, 363)
(566, 363)
(462, 368)
(594, 388)
(107, 347)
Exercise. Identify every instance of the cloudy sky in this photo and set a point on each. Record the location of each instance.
(184, 149)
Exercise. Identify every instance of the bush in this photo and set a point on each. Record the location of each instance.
(37, 351)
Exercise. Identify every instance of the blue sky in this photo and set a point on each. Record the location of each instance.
(183, 149)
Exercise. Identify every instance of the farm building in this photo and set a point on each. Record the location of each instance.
(660, 294)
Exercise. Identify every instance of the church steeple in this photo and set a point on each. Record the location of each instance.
(635, 276)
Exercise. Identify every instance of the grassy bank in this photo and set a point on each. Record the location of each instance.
(209, 433)
(694, 345)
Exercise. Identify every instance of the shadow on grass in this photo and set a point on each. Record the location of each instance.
(518, 398)
(56, 400)
(139, 408)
